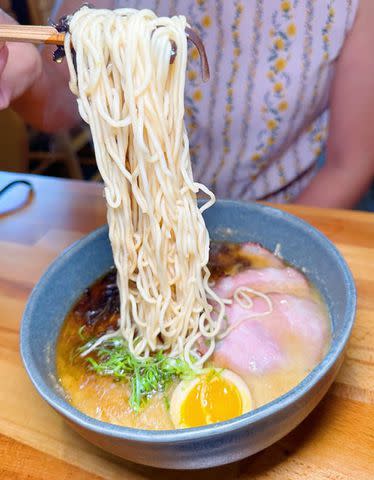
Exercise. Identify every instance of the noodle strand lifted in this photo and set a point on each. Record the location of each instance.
(133, 99)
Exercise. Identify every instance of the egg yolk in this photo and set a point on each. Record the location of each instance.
(211, 400)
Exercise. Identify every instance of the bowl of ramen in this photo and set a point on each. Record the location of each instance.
(290, 305)
(180, 335)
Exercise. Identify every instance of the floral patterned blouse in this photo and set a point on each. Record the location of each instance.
(259, 125)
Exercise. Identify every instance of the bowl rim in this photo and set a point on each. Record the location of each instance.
(197, 433)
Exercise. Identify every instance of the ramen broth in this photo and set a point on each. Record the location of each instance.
(107, 399)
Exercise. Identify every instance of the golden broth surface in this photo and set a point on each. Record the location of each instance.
(107, 400)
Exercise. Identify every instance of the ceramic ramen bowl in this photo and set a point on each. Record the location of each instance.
(81, 264)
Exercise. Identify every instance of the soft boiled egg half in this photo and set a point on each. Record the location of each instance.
(213, 396)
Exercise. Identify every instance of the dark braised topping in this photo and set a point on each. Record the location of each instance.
(62, 26)
(59, 54)
(226, 259)
(196, 40)
(99, 306)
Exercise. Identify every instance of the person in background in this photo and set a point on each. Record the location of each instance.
(290, 79)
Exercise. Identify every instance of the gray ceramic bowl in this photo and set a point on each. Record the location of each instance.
(89, 258)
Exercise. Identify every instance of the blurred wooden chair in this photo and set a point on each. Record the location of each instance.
(64, 149)
(16, 157)
(6, 5)
(40, 11)
(13, 143)
(65, 145)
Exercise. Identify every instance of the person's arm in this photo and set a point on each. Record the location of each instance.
(35, 86)
(349, 168)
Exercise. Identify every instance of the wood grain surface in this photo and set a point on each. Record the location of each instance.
(335, 442)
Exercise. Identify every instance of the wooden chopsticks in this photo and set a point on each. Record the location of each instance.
(31, 34)
(51, 36)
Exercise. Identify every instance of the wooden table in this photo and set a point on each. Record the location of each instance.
(335, 442)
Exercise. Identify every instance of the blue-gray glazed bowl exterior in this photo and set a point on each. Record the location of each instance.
(89, 258)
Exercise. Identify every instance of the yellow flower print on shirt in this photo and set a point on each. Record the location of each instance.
(278, 87)
(237, 50)
(280, 64)
(283, 106)
(192, 75)
(256, 157)
(194, 53)
(206, 21)
(326, 31)
(282, 36)
(279, 44)
(291, 29)
(272, 124)
(197, 95)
